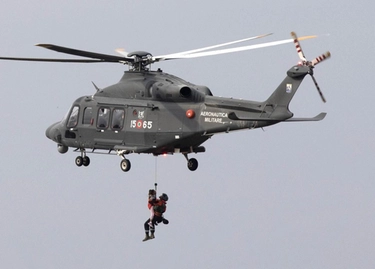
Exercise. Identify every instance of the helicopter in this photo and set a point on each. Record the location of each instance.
(158, 113)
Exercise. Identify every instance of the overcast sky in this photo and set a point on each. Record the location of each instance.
(294, 195)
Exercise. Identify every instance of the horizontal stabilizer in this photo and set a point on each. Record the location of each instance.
(319, 117)
(233, 116)
(316, 118)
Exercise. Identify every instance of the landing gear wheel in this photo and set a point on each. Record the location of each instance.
(192, 164)
(85, 161)
(125, 165)
(79, 161)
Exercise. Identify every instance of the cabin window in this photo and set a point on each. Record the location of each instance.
(73, 118)
(118, 119)
(103, 118)
(87, 116)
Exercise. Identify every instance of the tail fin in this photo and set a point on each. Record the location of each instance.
(285, 92)
(282, 96)
(276, 107)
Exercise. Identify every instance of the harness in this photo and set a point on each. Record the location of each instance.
(159, 207)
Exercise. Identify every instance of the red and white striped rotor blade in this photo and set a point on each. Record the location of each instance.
(298, 46)
(321, 58)
(318, 88)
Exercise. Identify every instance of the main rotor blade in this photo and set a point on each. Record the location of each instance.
(53, 60)
(223, 51)
(122, 52)
(210, 47)
(89, 54)
(177, 54)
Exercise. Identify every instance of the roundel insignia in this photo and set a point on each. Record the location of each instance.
(139, 124)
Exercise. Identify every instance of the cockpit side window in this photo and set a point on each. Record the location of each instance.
(118, 119)
(103, 118)
(87, 116)
(73, 118)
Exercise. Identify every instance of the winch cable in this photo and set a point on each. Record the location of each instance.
(156, 173)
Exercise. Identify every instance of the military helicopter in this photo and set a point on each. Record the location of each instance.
(158, 113)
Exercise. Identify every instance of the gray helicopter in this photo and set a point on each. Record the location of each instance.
(158, 113)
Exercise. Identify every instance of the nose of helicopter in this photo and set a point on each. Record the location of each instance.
(53, 132)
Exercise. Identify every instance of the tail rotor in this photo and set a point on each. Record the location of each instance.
(321, 58)
(298, 47)
(310, 64)
(318, 88)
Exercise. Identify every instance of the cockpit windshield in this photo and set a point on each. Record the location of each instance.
(73, 117)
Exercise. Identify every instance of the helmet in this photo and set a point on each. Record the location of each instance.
(151, 191)
(163, 197)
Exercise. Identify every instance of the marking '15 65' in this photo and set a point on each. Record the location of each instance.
(141, 124)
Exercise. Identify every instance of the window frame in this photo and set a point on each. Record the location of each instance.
(85, 117)
(74, 112)
(107, 118)
(121, 121)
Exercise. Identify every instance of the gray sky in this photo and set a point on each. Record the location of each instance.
(296, 195)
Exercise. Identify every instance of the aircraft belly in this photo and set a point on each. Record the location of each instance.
(140, 139)
(168, 138)
(107, 142)
(169, 142)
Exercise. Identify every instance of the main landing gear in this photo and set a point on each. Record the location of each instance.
(83, 159)
(125, 164)
(192, 163)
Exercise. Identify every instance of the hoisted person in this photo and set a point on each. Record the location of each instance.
(157, 208)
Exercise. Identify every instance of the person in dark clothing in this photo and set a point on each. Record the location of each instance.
(159, 207)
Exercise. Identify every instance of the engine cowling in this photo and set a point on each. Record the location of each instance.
(170, 92)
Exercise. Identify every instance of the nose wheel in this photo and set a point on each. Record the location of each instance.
(83, 159)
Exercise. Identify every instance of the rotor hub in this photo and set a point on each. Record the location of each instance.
(139, 54)
(141, 60)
